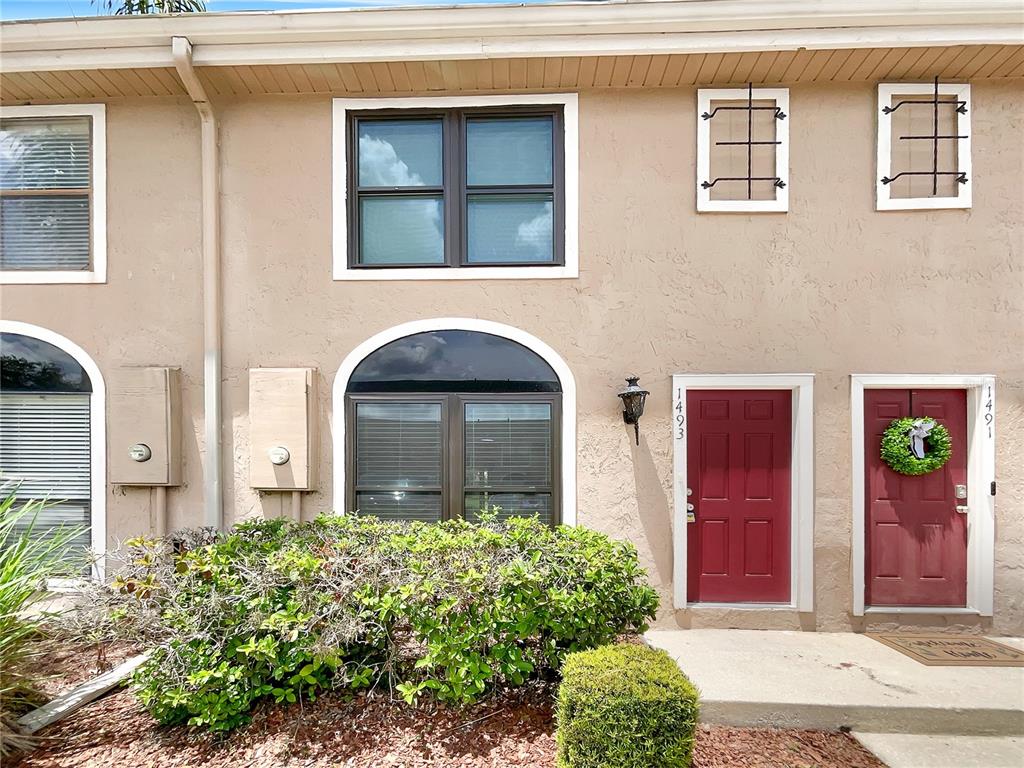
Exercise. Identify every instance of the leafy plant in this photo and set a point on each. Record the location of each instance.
(625, 706)
(132, 7)
(284, 610)
(27, 560)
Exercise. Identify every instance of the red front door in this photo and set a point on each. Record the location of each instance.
(738, 471)
(916, 540)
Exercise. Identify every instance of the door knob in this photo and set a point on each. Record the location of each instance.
(962, 509)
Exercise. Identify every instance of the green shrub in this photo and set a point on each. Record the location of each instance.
(625, 706)
(27, 560)
(284, 610)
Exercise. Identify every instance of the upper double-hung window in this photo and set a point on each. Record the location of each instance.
(52, 194)
(469, 189)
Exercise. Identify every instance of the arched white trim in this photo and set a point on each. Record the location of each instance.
(97, 429)
(529, 341)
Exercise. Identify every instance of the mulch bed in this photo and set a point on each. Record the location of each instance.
(62, 666)
(514, 729)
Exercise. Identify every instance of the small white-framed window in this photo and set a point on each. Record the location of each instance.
(464, 187)
(924, 146)
(53, 194)
(743, 149)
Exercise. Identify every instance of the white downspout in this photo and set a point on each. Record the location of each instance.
(181, 50)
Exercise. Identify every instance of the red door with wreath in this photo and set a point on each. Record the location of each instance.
(738, 470)
(916, 539)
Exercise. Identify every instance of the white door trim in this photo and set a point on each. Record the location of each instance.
(802, 480)
(97, 434)
(981, 472)
(561, 368)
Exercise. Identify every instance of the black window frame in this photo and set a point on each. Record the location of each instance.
(453, 459)
(454, 190)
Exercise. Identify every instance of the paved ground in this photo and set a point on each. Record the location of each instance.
(833, 680)
(902, 750)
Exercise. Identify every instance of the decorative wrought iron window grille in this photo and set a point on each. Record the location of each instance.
(935, 137)
(892, 98)
(710, 106)
(749, 143)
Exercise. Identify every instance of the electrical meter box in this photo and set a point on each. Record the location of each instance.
(145, 426)
(282, 428)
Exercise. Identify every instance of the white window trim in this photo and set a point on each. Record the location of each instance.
(560, 367)
(97, 439)
(884, 167)
(801, 483)
(98, 202)
(704, 202)
(981, 472)
(570, 107)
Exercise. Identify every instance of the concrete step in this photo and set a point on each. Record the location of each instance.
(903, 750)
(825, 680)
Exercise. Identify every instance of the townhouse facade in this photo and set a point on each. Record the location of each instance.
(401, 262)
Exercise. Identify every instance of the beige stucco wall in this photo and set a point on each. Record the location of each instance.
(830, 288)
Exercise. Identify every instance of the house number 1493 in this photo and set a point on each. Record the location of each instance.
(680, 415)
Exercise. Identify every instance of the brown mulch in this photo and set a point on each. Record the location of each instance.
(512, 730)
(722, 747)
(62, 666)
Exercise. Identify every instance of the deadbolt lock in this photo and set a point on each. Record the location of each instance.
(961, 491)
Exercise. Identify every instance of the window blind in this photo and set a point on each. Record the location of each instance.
(45, 447)
(398, 460)
(398, 444)
(508, 444)
(45, 181)
(508, 451)
(510, 505)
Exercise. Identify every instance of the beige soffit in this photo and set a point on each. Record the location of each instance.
(958, 63)
(578, 30)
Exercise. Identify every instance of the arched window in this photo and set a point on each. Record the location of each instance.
(46, 401)
(444, 424)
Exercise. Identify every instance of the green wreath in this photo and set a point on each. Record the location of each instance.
(898, 452)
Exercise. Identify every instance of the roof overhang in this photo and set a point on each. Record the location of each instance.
(612, 28)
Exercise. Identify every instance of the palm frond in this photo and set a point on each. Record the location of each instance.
(134, 7)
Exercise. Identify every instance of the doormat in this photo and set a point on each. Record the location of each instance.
(953, 650)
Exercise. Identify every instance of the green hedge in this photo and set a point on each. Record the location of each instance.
(625, 706)
(280, 610)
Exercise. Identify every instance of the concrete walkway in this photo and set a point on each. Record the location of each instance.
(831, 680)
(903, 750)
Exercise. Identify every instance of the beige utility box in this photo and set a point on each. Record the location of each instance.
(145, 426)
(282, 428)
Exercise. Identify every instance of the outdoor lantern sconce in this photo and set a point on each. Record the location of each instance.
(633, 403)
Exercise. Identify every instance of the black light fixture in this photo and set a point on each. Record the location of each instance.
(633, 403)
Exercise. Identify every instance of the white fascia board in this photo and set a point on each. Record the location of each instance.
(598, 45)
(246, 54)
(576, 29)
(483, 20)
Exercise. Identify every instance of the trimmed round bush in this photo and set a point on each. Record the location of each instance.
(625, 706)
